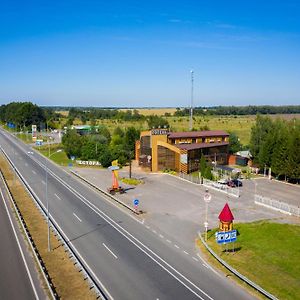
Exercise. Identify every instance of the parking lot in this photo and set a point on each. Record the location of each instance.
(176, 207)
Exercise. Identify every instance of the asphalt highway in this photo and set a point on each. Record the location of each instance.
(127, 260)
(18, 277)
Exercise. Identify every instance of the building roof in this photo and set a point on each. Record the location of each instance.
(245, 154)
(196, 134)
(200, 145)
(226, 214)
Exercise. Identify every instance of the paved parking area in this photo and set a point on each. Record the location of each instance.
(176, 207)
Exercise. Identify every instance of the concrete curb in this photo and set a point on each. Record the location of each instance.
(236, 273)
(105, 193)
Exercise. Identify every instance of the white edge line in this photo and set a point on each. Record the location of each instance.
(130, 237)
(21, 251)
(114, 255)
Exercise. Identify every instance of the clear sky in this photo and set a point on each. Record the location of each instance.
(140, 53)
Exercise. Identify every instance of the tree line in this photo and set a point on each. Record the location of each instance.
(100, 145)
(275, 144)
(239, 110)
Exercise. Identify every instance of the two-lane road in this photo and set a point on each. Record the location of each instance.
(126, 260)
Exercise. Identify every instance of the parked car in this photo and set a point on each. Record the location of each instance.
(234, 183)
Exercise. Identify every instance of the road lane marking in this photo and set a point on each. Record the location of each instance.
(20, 248)
(77, 217)
(154, 231)
(161, 236)
(185, 252)
(114, 255)
(148, 227)
(43, 182)
(194, 258)
(176, 246)
(205, 265)
(168, 241)
(33, 172)
(156, 258)
(57, 197)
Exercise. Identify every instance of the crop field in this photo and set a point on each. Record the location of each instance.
(240, 125)
(153, 111)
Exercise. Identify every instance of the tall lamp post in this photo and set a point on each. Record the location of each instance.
(207, 198)
(47, 200)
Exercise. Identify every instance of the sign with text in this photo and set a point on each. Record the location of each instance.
(34, 132)
(88, 162)
(223, 237)
(159, 131)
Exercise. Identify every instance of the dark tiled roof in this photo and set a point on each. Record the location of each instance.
(200, 145)
(195, 134)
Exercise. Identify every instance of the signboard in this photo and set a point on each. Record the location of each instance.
(34, 132)
(88, 162)
(159, 131)
(39, 142)
(136, 202)
(183, 158)
(223, 237)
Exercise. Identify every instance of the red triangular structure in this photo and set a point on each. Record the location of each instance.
(226, 214)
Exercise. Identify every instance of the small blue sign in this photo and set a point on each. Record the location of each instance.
(223, 237)
(70, 165)
(39, 143)
(136, 202)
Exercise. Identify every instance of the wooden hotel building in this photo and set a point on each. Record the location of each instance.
(160, 149)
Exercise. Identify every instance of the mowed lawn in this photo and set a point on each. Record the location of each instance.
(269, 255)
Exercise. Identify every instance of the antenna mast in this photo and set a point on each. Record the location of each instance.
(192, 96)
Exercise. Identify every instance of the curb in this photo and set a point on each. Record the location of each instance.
(105, 193)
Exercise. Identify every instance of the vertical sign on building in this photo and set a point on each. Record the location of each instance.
(34, 132)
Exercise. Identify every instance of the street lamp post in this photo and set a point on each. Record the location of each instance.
(207, 198)
(47, 200)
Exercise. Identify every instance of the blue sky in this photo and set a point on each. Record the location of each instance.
(140, 53)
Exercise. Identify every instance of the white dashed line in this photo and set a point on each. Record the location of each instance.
(57, 197)
(114, 255)
(148, 227)
(176, 246)
(186, 252)
(168, 241)
(33, 172)
(161, 236)
(194, 258)
(43, 182)
(206, 266)
(154, 231)
(77, 217)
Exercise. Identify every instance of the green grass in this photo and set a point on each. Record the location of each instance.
(59, 158)
(131, 181)
(269, 255)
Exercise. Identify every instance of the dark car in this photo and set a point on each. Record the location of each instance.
(234, 183)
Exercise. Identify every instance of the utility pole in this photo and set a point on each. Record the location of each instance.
(192, 96)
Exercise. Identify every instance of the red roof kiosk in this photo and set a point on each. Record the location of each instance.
(226, 218)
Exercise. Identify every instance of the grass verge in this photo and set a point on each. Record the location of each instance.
(131, 181)
(268, 254)
(67, 280)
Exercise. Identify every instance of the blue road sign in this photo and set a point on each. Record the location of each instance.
(223, 237)
(136, 202)
(39, 142)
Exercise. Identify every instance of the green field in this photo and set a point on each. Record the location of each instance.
(241, 125)
(59, 158)
(268, 254)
